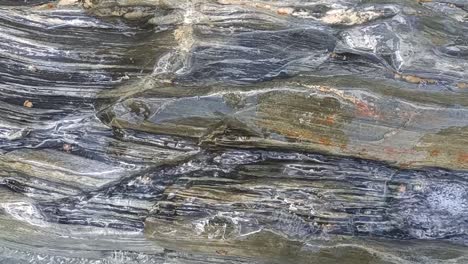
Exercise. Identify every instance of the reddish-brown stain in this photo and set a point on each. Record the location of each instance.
(330, 120)
(463, 158)
(434, 153)
(325, 141)
(365, 110)
(391, 151)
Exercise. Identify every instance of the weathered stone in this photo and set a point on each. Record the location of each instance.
(233, 131)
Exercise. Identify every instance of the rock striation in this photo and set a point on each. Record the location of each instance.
(233, 131)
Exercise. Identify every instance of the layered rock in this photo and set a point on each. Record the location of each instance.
(231, 131)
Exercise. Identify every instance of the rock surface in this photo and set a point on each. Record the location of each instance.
(233, 131)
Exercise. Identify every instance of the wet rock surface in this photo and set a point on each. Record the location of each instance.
(231, 131)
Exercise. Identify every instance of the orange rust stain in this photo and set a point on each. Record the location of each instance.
(363, 109)
(50, 5)
(393, 151)
(292, 134)
(325, 141)
(330, 120)
(434, 153)
(463, 158)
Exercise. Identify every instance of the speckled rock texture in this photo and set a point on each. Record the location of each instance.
(234, 131)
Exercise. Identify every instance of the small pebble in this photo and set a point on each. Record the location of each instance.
(28, 104)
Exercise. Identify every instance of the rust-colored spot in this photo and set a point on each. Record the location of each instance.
(462, 85)
(463, 158)
(391, 151)
(330, 120)
(50, 5)
(434, 153)
(325, 141)
(365, 110)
